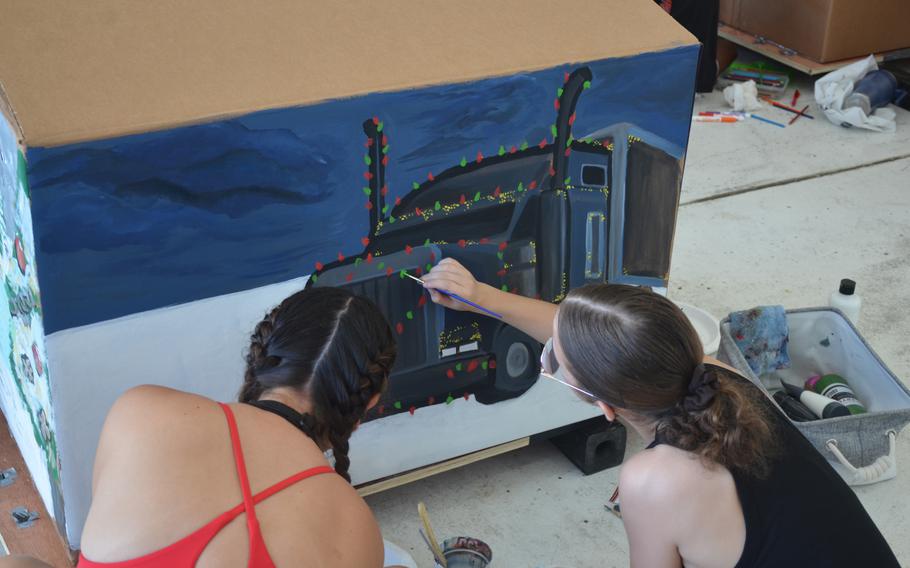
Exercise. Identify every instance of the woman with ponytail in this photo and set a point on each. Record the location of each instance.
(725, 480)
(183, 481)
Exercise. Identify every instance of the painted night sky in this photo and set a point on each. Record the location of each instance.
(140, 222)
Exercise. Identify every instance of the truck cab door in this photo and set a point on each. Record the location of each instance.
(589, 167)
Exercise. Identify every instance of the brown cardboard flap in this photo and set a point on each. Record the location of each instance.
(87, 70)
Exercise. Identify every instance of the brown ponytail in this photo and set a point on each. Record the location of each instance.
(731, 430)
(336, 348)
(637, 351)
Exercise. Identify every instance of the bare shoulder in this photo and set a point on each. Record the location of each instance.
(673, 497)
(150, 399)
(334, 516)
(157, 417)
(665, 479)
(652, 490)
(358, 516)
(152, 405)
(658, 474)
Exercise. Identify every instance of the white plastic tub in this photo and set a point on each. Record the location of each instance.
(823, 341)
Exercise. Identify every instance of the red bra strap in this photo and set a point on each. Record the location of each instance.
(248, 504)
(282, 485)
(228, 516)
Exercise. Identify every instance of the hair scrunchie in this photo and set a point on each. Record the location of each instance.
(702, 389)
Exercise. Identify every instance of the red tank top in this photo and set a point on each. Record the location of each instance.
(185, 552)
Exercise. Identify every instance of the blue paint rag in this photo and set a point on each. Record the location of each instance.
(762, 334)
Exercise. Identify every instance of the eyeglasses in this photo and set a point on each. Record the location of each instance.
(550, 368)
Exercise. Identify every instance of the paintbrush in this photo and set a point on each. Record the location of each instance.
(789, 108)
(763, 119)
(801, 113)
(431, 535)
(438, 560)
(457, 297)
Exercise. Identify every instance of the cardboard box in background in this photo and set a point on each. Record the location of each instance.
(824, 30)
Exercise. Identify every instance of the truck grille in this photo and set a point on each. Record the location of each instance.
(402, 301)
(398, 298)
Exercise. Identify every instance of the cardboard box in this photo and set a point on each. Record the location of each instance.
(191, 164)
(824, 30)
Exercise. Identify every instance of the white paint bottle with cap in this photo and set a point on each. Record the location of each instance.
(846, 300)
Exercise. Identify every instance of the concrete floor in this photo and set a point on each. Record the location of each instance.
(769, 216)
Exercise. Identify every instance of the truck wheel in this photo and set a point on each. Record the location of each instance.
(518, 358)
(517, 366)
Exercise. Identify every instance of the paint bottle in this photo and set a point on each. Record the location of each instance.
(794, 409)
(836, 387)
(821, 406)
(846, 301)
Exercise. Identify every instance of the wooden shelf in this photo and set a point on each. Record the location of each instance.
(796, 61)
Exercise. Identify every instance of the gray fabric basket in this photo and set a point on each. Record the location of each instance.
(862, 439)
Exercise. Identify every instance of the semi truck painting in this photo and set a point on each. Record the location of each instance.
(537, 220)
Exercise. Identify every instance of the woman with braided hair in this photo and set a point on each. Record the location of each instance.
(170, 462)
(726, 479)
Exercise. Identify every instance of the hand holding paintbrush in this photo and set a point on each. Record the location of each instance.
(458, 298)
(461, 279)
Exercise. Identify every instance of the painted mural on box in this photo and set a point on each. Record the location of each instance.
(538, 182)
(24, 382)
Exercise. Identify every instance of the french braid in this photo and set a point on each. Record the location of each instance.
(336, 348)
(341, 418)
(256, 357)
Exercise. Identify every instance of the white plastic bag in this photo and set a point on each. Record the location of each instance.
(833, 88)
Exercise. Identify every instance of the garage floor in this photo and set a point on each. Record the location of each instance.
(768, 216)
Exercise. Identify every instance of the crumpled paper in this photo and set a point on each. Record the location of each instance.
(742, 96)
(833, 88)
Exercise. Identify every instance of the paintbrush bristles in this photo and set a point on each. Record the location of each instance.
(413, 277)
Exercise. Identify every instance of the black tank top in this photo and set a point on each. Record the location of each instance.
(803, 513)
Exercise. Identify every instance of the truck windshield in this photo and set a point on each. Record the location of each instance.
(505, 172)
(484, 222)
